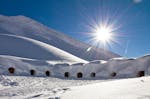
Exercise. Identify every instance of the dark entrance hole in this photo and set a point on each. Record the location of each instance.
(66, 74)
(32, 72)
(47, 73)
(93, 74)
(141, 73)
(79, 75)
(11, 70)
(113, 74)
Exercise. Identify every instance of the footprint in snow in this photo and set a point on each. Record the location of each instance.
(142, 80)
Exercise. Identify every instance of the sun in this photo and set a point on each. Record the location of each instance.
(103, 34)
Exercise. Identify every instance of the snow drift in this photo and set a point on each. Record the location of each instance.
(25, 47)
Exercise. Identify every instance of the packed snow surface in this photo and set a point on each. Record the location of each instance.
(29, 87)
(137, 88)
(54, 88)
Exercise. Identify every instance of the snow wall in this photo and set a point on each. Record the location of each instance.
(114, 68)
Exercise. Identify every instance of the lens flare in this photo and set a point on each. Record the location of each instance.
(103, 34)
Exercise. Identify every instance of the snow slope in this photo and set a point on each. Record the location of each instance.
(29, 48)
(53, 88)
(137, 88)
(24, 26)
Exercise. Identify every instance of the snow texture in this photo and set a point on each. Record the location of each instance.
(27, 45)
(27, 27)
(30, 48)
(138, 88)
(53, 88)
(123, 68)
(38, 87)
(7, 82)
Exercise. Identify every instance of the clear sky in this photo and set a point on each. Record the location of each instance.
(75, 17)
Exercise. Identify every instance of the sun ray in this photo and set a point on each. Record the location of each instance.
(103, 34)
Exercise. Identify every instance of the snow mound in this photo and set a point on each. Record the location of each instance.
(29, 48)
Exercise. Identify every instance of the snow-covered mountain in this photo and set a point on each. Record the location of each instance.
(27, 27)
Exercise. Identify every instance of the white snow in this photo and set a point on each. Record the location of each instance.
(137, 88)
(54, 88)
(44, 88)
(30, 48)
(28, 45)
(27, 27)
(7, 82)
(124, 68)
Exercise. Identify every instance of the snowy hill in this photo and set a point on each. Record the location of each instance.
(26, 27)
(26, 47)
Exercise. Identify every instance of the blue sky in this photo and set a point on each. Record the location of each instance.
(74, 17)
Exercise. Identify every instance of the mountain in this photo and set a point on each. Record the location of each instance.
(27, 27)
